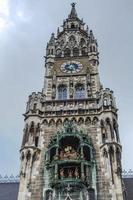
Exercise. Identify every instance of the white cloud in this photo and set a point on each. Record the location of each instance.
(4, 7)
(22, 16)
(4, 14)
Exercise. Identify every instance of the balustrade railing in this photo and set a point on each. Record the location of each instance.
(127, 173)
(9, 179)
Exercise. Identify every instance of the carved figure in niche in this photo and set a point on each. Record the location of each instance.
(62, 173)
(71, 92)
(70, 173)
(70, 153)
(76, 173)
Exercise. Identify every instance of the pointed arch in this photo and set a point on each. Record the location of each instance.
(80, 120)
(58, 122)
(88, 121)
(79, 91)
(66, 120)
(51, 122)
(45, 122)
(95, 121)
(84, 51)
(62, 92)
(75, 51)
(73, 120)
(82, 42)
(67, 52)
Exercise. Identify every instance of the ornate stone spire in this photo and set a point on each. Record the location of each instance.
(73, 13)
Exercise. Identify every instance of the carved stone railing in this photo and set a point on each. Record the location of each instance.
(127, 174)
(9, 179)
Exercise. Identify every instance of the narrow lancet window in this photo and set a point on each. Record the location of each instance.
(79, 91)
(62, 92)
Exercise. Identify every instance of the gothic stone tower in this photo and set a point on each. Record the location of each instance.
(71, 148)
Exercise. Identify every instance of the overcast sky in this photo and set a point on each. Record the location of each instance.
(25, 28)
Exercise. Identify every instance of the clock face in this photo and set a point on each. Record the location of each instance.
(71, 67)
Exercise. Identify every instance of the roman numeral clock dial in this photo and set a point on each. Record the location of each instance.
(71, 67)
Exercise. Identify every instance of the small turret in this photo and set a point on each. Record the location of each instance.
(51, 45)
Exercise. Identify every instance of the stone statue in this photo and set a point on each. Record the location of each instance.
(50, 196)
(76, 173)
(70, 174)
(62, 173)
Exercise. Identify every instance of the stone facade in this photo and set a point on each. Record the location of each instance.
(71, 147)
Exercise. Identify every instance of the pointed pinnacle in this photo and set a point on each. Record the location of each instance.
(73, 13)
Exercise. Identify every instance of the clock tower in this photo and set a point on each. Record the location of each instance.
(71, 147)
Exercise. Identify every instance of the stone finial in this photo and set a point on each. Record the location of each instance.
(52, 39)
(73, 13)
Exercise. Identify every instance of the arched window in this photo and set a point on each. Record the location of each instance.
(62, 92)
(75, 52)
(72, 25)
(94, 49)
(79, 91)
(82, 42)
(67, 52)
(84, 51)
(91, 49)
(52, 51)
(58, 52)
